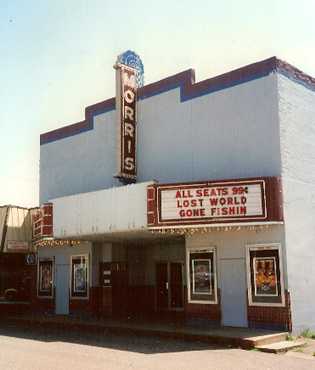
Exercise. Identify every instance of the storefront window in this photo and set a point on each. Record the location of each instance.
(264, 275)
(45, 277)
(202, 284)
(79, 276)
(15, 278)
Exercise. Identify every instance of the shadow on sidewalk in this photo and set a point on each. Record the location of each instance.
(123, 342)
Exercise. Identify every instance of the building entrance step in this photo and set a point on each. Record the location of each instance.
(266, 339)
(282, 346)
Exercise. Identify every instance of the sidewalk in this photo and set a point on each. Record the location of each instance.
(226, 336)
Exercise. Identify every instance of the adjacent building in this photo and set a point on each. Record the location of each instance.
(17, 259)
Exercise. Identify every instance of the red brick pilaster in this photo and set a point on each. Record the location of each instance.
(269, 317)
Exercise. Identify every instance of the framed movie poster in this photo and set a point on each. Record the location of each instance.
(201, 269)
(264, 271)
(79, 276)
(202, 273)
(265, 276)
(45, 277)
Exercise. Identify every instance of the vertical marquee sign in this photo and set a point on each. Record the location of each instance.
(126, 98)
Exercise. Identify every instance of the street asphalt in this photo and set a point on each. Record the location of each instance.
(37, 349)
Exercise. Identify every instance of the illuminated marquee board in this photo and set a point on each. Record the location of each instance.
(218, 201)
(214, 202)
(126, 98)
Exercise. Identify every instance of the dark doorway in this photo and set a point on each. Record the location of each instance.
(162, 286)
(169, 286)
(119, 271)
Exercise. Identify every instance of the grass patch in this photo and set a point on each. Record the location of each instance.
(307, 333)
(290, 337)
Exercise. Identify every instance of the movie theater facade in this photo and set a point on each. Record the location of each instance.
(181, 198)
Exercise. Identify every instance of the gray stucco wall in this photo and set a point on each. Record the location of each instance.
(62, 255)
(231, 266)
(228, 133)
(232, 244)
(297, 123)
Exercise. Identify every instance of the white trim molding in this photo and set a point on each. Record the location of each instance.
(87, 263)
(217, 225)
(45, 259)
(213, 290)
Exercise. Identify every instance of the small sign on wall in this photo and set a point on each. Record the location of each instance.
(31, 259)
(18, 246)
(105, 274)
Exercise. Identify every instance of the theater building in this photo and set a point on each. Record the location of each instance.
(185, 198)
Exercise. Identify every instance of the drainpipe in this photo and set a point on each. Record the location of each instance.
(4, 231)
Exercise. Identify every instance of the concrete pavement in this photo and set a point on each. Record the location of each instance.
(42, 350)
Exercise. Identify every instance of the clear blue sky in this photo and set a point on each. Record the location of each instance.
(57, 58)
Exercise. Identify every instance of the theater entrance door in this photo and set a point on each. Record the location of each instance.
(169, 286)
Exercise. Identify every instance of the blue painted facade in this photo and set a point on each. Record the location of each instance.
(253, 122)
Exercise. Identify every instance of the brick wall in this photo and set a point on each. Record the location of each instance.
(106, 305)
(211, 312)
(90, 306)
(277, 318)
